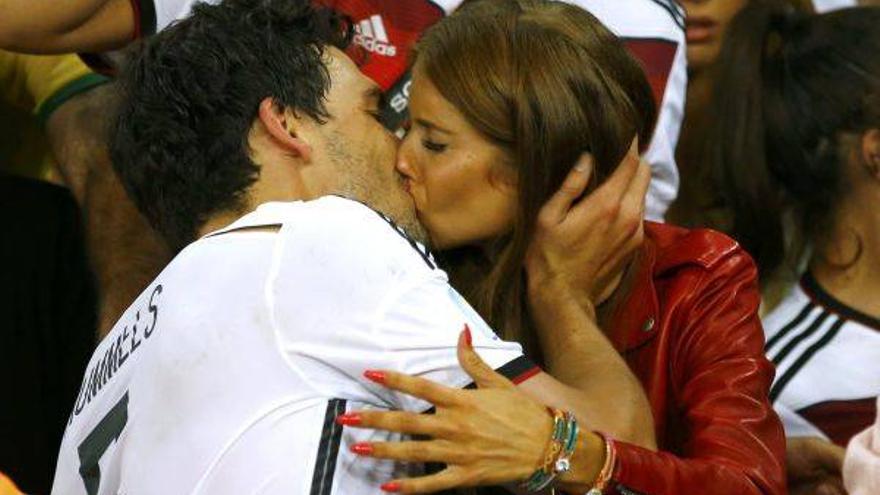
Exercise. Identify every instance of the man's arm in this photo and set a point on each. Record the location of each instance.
(49, 26)
(125, 252)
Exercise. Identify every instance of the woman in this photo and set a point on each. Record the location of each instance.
(795, 152)
(499, 91)
(707, 26)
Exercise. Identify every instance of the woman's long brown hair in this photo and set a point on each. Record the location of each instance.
(547, 82)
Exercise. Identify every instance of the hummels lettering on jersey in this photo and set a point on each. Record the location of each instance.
(125, 345)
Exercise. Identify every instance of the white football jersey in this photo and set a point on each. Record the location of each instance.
(653, 30)
(226, 374)
(826, 356)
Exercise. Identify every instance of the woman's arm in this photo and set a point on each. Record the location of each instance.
(726, 432)
(494, 435)
(49, 26)
(579, 250)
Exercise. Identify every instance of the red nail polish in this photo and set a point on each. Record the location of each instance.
(467, 336)
(362, 449)
(391, 486)
(375, 376)
(351, 419)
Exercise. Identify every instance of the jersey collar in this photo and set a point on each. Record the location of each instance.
(267, 214)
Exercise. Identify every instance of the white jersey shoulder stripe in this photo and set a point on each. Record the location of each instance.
(805, 357)
(328, 452)
(674, 9)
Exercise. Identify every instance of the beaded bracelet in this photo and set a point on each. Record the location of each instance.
(607, 472)
(557, 459)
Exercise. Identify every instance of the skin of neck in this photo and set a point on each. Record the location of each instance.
(281, 178)
(851, 276)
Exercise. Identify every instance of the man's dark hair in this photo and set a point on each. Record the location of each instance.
(191, 93)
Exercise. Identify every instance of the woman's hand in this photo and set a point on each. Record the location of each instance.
(490, 436)
(582, 246)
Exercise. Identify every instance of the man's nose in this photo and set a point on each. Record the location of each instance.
(403, 165)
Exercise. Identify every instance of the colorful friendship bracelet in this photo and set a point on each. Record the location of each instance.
(603, 480)
(557, 458)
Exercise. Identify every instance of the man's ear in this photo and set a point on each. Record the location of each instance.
(285, 128)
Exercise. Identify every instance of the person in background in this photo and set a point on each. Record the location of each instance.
(861, 469)
(697, 204)
(54, 111)
(794, 150)
(48, 301)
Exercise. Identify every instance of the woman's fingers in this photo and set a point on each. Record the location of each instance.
(573, 187)
(608, 196)
(632, 209)
(396, 421)
(483, 374)
(438, 451)
(450, 477)
(439, 395)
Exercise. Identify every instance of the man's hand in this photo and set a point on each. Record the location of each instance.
(582, 246)
(814, 467)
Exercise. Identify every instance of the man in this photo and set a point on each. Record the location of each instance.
(227, 373)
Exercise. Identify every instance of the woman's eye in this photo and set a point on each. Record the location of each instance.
(432, 146)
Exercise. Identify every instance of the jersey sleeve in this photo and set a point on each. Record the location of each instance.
(350, 292)
(419, 332)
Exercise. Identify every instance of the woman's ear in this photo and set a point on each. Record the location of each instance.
(871, 152)
(285, 127)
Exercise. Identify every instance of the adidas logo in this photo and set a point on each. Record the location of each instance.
(370, 34)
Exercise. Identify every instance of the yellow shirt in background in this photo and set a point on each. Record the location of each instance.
(31, 88)
(7, 487)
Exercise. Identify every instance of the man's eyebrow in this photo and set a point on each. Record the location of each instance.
(432, 126)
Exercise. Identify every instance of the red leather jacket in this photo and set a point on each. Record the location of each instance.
(690, 331)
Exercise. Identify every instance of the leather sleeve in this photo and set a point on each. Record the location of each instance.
(733, 441)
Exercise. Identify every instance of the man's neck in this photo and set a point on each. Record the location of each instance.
(219, 221)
